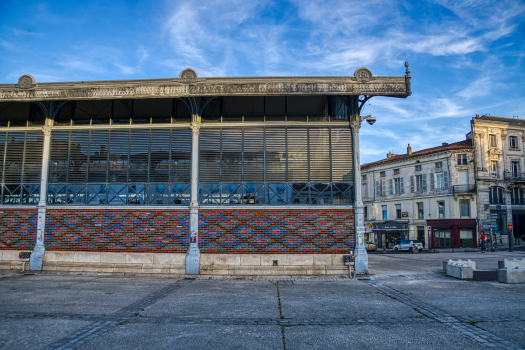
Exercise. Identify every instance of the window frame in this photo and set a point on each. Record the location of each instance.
(441, 209)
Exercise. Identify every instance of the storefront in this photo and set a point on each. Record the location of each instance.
(457, 233)
(390, 233)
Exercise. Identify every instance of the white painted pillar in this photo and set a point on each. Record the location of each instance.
(361, 256)
(193, 255)
(37, 257)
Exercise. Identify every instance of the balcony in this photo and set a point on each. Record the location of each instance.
(463, 188)
(516, 177)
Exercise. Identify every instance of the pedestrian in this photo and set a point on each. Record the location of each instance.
(516, 237)
(483, 242)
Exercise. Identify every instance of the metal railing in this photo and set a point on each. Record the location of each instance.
(508, 175)
(463, 188)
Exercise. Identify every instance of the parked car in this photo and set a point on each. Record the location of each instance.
(411, 246)
(371, 247)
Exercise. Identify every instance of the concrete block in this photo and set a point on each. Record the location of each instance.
(459, 261)
(460, 271)
(337, 270)
(12, 254)
(169, 258)
(228, 259)
(267, 259)
(208, 259)
(113, 258)
(53, 256)
(178, 270)
(337, 259)
(241, 271)
(300, 259)
(250, 259)
(139, 258)
(268, 270)
(511, 275)
(322, 259)
(511, 263)
(82, 257)
(316, 270)
(294, 270)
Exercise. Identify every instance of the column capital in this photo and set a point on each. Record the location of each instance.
(46, 130)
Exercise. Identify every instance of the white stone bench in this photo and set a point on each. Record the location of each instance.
(460, 270)
(468, 262)
(511, 275)
(511, 263)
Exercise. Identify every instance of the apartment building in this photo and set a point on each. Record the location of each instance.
(499, 148)
(428, 195)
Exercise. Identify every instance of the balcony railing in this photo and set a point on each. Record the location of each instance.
(464, 188)
(511, 176)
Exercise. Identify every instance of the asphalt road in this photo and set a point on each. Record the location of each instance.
(407, 304)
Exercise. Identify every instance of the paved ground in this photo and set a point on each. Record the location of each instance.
(406, 304)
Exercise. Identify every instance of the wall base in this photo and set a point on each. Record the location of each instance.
(174, 263)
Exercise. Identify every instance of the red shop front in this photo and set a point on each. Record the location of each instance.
(455, 233)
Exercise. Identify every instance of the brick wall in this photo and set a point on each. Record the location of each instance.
(126, 230)
(17, 229)
(225, 231)
(276, 231)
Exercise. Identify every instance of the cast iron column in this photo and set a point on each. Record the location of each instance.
(37, 257)
(193, 256)
(361, 256)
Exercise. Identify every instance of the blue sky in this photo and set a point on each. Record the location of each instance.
(466, 57)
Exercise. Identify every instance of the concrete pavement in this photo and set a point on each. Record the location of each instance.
(406, 304)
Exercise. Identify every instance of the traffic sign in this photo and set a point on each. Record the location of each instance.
(488, 221)
(492, 216)
(489, 226)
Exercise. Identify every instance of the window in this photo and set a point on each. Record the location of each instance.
(421, 183)
(439, 165)
(462, 159)
(365, 190)
(396, 171)
(496, 195)
(418, 167)
(380, 188)
(440, 183)
(513, 142)
(366, 213)
(517, 196)
(384, 212)
(275, 165)
(399, 188)
(515, 168)
(441, 209)
(492, 140)
(442, 238)
(382, 174)
(398, 211)
(364, 177)
(464, 207)
(494, 167)
(420, 211)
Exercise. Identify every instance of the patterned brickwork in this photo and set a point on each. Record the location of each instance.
(117, 230)
(276, 231)
(17, 228)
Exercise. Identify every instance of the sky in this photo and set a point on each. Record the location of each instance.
(466, 57)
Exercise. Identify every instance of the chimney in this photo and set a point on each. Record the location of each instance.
(444, 144)
(409, 150)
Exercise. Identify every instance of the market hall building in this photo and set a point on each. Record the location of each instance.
(244, 176)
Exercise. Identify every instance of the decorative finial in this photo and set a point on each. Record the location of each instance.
(408, 70)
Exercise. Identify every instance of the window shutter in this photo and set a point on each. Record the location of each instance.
(424, 182)
(445, 179)
(390, 185)
(377, 189)
(383, 189)
(432, 186)
(412, 183)
(402, 186)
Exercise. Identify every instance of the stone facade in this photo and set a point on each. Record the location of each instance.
(423, 179)
(500, 157)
